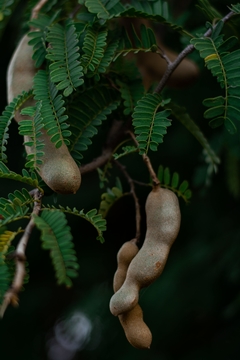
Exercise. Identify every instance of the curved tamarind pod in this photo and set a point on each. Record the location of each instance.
(59, 170)
(136, 331)
(163, 224)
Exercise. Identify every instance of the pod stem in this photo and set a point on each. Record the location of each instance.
(148, 163)
(11, 296)
(135, 198)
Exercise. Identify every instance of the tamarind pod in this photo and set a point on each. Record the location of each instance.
(163, 224)
(125, 255)
(59, 170)
(136, 331)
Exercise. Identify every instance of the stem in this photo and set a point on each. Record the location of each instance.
(11, 296)
(147, 161)
(152, 173)
(188, 50)
(137, 206)
(115, 135)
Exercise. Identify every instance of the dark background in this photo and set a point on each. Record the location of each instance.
(193, 309)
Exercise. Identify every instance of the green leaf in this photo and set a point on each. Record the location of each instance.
(56, 237)
(93, 47)
(86, 114)
(65, 69)
(52, 109)
(181, 115)
(38, 37)
(6, 118)
(147, 42)
(150, 125)
(109, 198)
(92, 216)
(172, 182)
(104, 9)
(224, 65)
(32, 129)
(25, 178)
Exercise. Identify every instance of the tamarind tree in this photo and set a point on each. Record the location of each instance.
(106, 101)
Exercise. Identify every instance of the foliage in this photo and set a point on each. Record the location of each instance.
(56, 237)
(223, 64)
(172, 183)
(90, 76)
(150, 124)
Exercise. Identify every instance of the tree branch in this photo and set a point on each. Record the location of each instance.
(11, 296)
(172, 65)
(115, 135)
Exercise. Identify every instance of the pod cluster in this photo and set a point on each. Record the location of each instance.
(138, 269)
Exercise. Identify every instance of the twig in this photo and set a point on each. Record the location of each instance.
(137, 206)
(98, 162)
(188, 50)
(152, 173)
(148, 163)
(11, 296)
(115, 135)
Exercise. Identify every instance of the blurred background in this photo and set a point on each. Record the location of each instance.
(193, 309)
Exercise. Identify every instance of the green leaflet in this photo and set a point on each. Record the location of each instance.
(106, 60)
(56, 237)
(126, 150)
(38, 38)
(6, 237)
(6, 118)
(155, 11)
(224, 65)
(146, 42)
(104, 9)
(208, 10)
(63, 52)
(16, 206)
(150, 125)
(172, 182)
(32, 129)
(181, 115)
(91, 216)
(235, 8)
(131, 92)
(109, 198)
(86, 113)
(30, 179)
(52, 109)
(93, 48)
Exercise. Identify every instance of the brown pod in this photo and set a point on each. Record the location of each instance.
(59, 170)
(125, 255)
(163, 224)
(136, 331)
